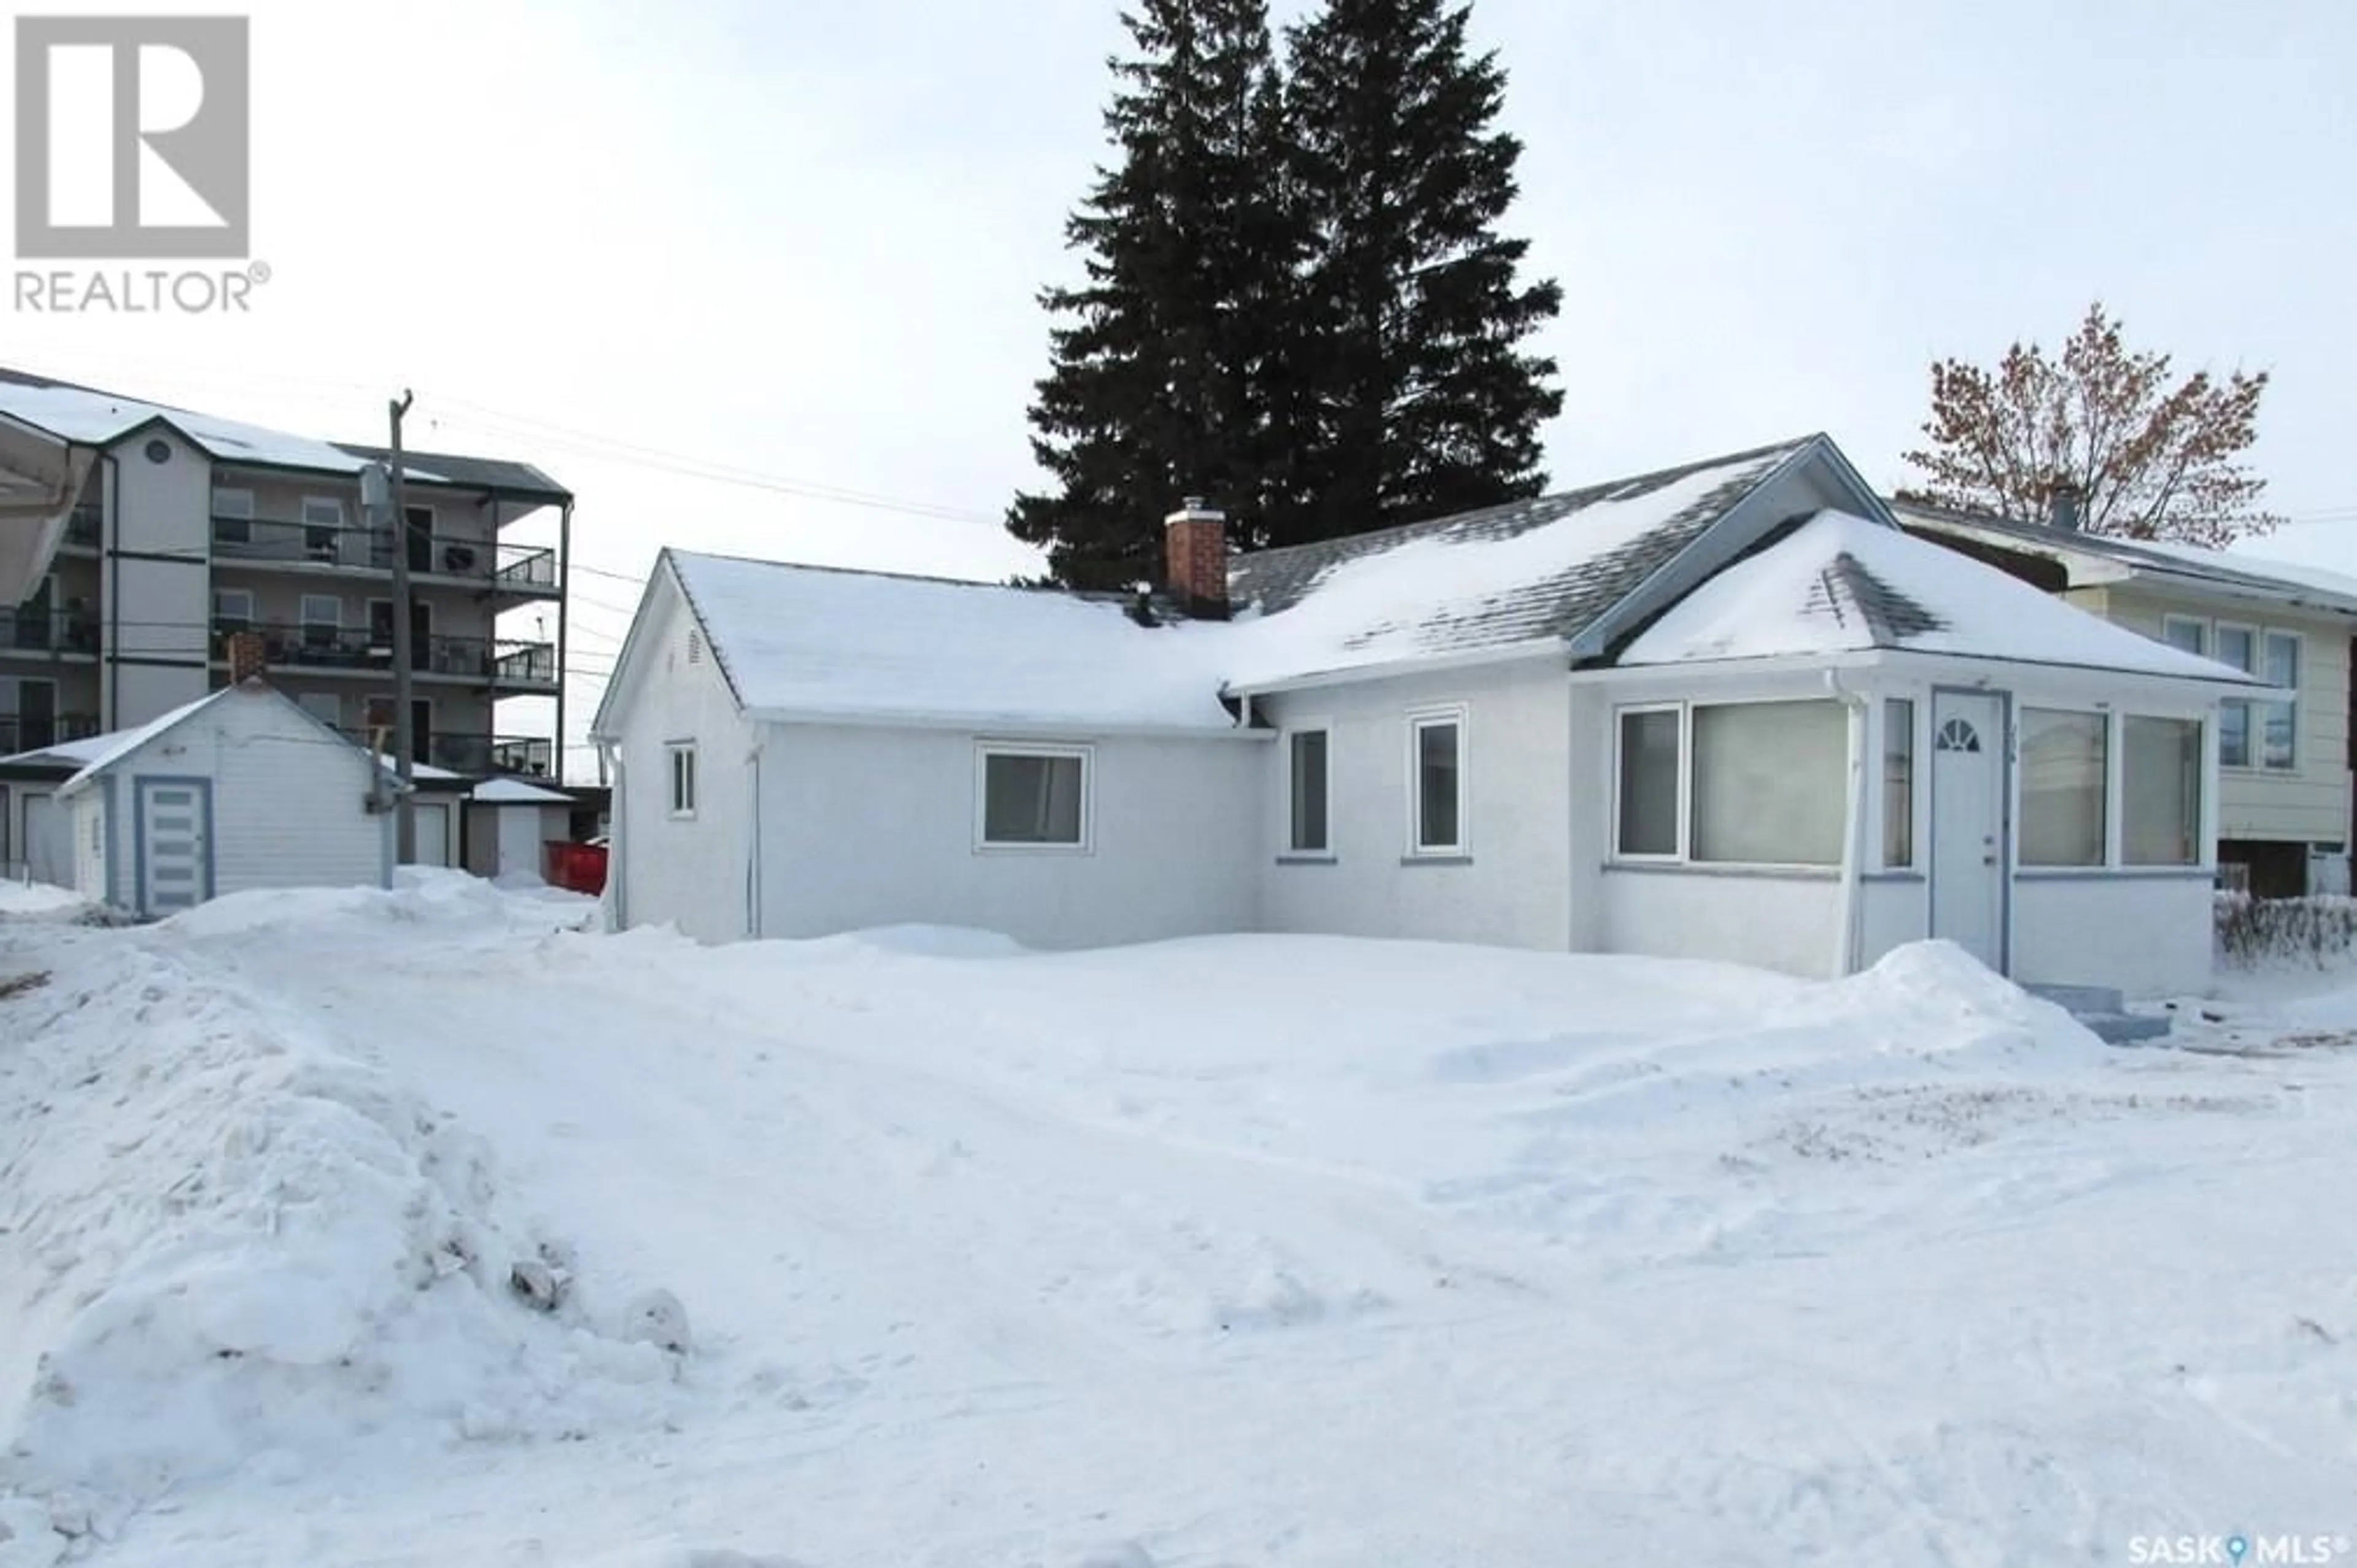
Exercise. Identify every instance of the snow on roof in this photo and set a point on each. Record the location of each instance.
(516, 793)
(1533, 573)
(98, 419)
(811, 641)
(1841, 583)
(2103, 558)
(105, 750)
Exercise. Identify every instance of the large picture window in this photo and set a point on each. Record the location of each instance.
(2160, 816)
(1650, 769)
(1768, 783)
(1437, 756)
(1035, 797)
(1306, 770)
(2065, 761)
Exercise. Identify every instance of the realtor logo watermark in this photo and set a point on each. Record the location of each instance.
(2241, 1550)
(134, 143)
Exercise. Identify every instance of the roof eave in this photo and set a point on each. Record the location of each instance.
(1549, 647)
(1008, 724)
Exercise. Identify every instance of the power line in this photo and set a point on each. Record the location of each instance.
(590, 443)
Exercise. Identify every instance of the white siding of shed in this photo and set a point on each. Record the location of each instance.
(690, 871)
(289, 802)
(90, 861)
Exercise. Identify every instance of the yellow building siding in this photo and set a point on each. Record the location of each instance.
(2309, 803)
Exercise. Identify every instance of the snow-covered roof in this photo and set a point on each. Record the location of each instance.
(516, 793)
(816, 642)
(1839, 584)
(1535, 572)
(2093, 558)
(105, 750)
(99, 419)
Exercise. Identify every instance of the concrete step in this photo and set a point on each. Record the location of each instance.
(2078, 999)
(2104, 1012)
(2122, 1028)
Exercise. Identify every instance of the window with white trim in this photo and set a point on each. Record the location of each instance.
(1032, 797)
(1652, 766)
(2160, 783)
(322, 620)
(1733, 783)
(323, 521)
(1309, 791)
(1897, 783)
(1437, 782)
(232, 517)
(1769, 785)
(682, 755)
(2252, 732)
(2065, 769)
(232, 610)
(2275, 721)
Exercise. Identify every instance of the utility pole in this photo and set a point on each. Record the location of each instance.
(405, 740)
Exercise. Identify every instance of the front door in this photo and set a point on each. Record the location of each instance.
(1968, 824)
(174, 818)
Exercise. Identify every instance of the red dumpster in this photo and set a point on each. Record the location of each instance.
(579, 868)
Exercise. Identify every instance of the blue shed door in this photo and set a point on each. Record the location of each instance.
(175, 839)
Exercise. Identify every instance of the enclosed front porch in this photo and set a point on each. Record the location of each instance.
(1810, 817)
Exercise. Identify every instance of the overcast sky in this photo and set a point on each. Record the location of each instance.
(801, 241)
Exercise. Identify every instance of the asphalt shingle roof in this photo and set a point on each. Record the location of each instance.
(1554, 587)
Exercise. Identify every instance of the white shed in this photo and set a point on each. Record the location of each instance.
(238, 791)
(510, 825)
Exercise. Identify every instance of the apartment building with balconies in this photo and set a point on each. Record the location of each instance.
(191, 527)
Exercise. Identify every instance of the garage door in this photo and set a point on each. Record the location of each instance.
(432, 834)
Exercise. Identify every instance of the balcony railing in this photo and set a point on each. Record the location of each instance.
(273, 541)
(322, 647)
(525, 664)
(477, 756)
(84, 525)
(18, 733)
(49, 632)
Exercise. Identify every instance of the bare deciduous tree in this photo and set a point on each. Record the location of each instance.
(2150, 459)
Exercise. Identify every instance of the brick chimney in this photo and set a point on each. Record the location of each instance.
(2063, 501)
(247, 654)
(1195, 540)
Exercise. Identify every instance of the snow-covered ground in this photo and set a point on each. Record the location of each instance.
(1225, 1253)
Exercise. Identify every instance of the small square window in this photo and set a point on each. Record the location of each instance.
(1034, 798)
(2186, 634)
(682, 778)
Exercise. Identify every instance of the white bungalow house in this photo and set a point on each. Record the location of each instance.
(1726, 711)
(239, 789)
(2284, 790)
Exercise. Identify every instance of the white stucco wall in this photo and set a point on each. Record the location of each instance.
(2147, 935)
(867, 827)
(1512, 887)
(1786, 923)
(690, 872)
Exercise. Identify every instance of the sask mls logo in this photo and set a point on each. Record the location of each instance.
(133, 143)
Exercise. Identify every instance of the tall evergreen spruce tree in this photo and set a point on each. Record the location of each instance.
(1169, 359)
(1425, 403)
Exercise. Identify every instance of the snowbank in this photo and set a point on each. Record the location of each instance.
(449, 903)
(228, 1240)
